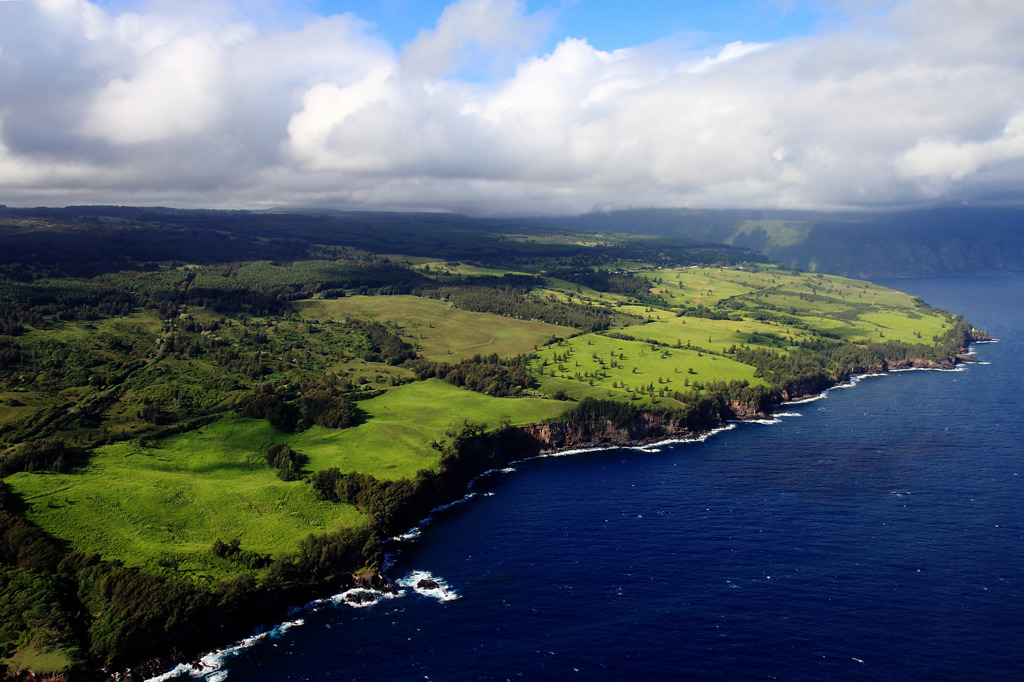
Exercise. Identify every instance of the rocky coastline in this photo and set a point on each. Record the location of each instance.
(475, 457)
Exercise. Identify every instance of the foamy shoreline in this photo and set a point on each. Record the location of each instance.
(211, 667)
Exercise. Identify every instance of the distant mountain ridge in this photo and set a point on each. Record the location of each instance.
(863, 245)
(938, 241)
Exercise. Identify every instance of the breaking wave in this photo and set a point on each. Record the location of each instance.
(428, 585)
(211, 667)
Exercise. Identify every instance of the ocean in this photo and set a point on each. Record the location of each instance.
(876, 533)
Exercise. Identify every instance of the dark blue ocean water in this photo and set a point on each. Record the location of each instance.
(875, 534)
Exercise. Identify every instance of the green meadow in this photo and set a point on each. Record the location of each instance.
(41, 660)
(162, 504)
(701, 286)
(713, 335)
(438, 330)
(855, 311)
(599, 366)
(394, 441)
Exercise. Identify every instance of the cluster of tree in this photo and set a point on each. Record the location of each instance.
(604, 280)
(233, 552)
(503, 378)
(132, 612)
(289, 407)
(517, 282)
(101, 610)
(700, 310)
(782, 369)
(249, 363)
(30, 304)
(35, 608)
(386, 346)
(22, 543)
(512, 303)
(229, 300)
(51, 454)
(392, 505)
(380, 499)
(822, 359)
(286, 461)
(10, 352)
(755, 396)
(322, 556)
(263, 288)
(594, 410)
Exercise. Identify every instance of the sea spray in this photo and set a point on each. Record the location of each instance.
(212, 666)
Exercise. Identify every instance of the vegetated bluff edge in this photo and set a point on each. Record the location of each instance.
(207, 417)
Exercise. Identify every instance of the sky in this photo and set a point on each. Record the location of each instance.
(512, 107)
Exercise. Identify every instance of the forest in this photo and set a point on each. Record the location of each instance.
(207, 417)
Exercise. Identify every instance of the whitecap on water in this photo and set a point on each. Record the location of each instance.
(211, 666)
(428, 585)
(361, 597)
(579, 451)
(409, 535)
(803, 401)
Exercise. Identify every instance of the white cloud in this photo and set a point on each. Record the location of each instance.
(199, 104)
(474, 30)
(947, 161)
(175, 92)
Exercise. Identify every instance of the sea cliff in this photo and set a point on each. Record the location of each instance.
(468, 457)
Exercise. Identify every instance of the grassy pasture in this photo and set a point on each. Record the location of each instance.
(713, 335)
(571, 292)
(857, 311)
(40, 660)
(702, 286)
(599, 366)
(163, 504)
(438, 330)
(15, 405)
(395, 441)
(901, 327)
(432, 266)
(647, 312)
(169, 501)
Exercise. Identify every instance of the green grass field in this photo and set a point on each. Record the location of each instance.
(395, 441)
(702, 286)
(170, 500)
(714, 335)
(598, 366)
(857, 311)
(439, 331)
(40, 660)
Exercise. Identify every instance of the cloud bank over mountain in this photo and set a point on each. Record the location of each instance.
(219, 104)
